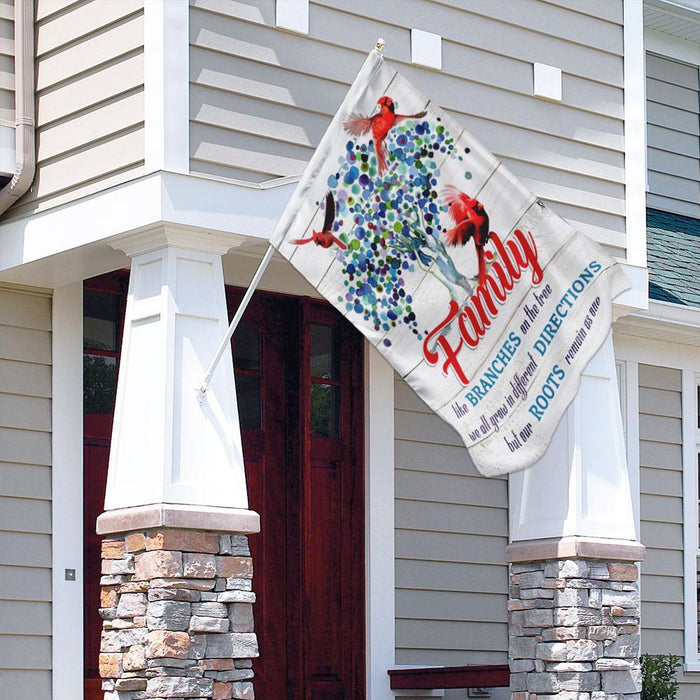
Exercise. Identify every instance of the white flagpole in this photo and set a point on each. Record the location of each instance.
(202, 389)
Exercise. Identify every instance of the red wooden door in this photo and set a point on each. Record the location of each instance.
(299, 384)
(332, 470)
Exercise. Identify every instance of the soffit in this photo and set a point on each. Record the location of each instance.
(679, 18)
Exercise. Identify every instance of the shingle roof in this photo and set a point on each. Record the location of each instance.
(673, 257)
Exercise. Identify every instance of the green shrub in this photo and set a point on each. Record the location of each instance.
(659, 676)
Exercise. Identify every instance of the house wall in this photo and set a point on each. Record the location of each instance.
(661, 514)
(90, 107)
(7, 63)
(261, 98)
(451, 535)
(673, 135)
(25, 494)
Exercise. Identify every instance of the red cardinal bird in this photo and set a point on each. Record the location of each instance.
(380, 124)
(471, 221)
(324, 237)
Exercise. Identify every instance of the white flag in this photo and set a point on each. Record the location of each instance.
(485, 301)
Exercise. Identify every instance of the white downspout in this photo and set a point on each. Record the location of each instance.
(24, 106)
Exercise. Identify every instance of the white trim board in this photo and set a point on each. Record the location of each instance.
(67, 491)
(379, 518)
(656, 352)
(635, 132)
(167, 85)
(674, 47)
(631, 387)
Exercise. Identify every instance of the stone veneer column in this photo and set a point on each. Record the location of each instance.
(176, 583)
(573, 620)
(178, 619)
(574, 596)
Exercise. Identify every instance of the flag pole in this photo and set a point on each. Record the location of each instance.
(202, 389)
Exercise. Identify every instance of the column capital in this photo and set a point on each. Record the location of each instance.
(163, 235)
(575, 548)
(182, 517)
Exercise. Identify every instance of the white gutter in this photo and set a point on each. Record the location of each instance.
(24, 106)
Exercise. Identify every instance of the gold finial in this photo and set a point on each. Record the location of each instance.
(380, 44)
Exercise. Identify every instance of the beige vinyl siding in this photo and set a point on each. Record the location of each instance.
(261, 97)
(7, 63)
(90, 101)
(25, 494)
(661, 508)
(673, 135)
(451, 534)
(661, 513)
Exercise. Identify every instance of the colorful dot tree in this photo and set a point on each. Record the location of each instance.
(392, 223)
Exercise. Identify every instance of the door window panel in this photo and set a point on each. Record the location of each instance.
(101, 315)
(325, 385)
(246, 347)
(324, 353)
(248, 393)
(325, 410)
(100, 320)
(247, 358)
(99, 383)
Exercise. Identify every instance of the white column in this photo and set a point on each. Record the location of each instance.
(379, 505)
(166, 447)
(580, 488)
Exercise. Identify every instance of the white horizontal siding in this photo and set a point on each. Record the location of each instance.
(25, 495)
(673, 135)
(261, 98)
(451, 533)
(90, 108)
(25, 582)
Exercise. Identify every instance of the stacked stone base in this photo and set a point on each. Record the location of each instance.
(177, 616)
(574, 630)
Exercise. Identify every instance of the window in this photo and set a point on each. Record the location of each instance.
(247, 362)
(101, 317)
